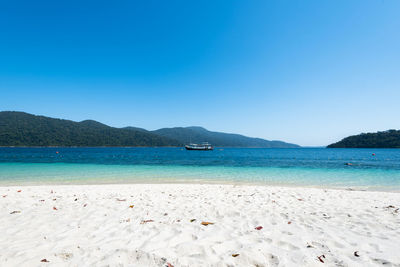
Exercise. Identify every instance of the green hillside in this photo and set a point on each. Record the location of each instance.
(199, 135)
(23, 129)
(386, 139)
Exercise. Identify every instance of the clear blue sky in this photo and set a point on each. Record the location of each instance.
(307, 72)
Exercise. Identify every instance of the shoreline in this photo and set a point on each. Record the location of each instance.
(199, 182)
(197, 225)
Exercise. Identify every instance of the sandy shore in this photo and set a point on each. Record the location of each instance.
(161, 224)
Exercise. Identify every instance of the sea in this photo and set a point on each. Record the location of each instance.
(352, 169)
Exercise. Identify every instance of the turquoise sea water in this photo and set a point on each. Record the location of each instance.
(303, 166)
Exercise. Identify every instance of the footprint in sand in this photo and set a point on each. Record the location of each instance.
(383, 262)
(322, 247)
(375, 247)
(272, 259)
(286, 233)
(285, 216)
(338, 245)
(268, 240)
(287, 245)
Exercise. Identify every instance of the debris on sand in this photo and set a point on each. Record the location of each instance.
(321, 258)
(15, 211)
(146, 221)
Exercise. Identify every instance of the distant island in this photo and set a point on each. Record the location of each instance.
(24, 129)
(385, 139)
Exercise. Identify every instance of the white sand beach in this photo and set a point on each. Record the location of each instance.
(161, 225)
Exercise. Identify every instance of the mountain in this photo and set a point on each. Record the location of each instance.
(386, 139)
(198, 135)
(23, 129)
(135, 129)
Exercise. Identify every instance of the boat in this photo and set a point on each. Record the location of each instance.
(203, 146)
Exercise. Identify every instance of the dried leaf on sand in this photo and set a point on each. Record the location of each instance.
(146, 221)
(321, 258)
(15, 211)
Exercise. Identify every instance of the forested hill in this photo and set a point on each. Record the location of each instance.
(386, 139)
(198, 134)
(23, 129)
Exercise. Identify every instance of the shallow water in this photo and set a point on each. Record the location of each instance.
(319, 167)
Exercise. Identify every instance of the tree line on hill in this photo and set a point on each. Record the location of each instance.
(23, 129)
(385, 139)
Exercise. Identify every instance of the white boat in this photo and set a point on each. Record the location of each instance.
(203, 146)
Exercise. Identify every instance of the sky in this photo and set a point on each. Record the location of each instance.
(305, 72)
